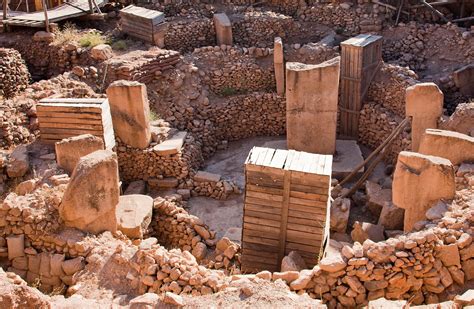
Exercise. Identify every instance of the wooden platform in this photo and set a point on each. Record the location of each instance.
(286, 207)
(65, 11)
(63, 118)
(145, 24)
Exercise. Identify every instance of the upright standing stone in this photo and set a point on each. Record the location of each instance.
(311, 106)
(424, 103)
(90, 201)
(418, 182)
(278, 60)
(223, 29)
(130, 112)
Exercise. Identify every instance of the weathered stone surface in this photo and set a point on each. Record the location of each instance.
(449, 255)
(377, 197)
(102, 52)
(92, 194)
(332, 263)
(424, 103)
(454, 146)
(145, 301)
(130, 112)
(136, 187)
(293, 261)
(18, 162)
(468, 268)
(462, 120)
(70, 150)
(311, 105)
(383, 303)
(134, 214)
(223, 29)
(419, 181)
(304, 278)
(437, 211)
(172, 145)
(464, 79)
(278, 64)
(16, 246)
(70, 267)
(202, 176)
(43, 36)
(363, 231)
(391, 217)
(340, 210)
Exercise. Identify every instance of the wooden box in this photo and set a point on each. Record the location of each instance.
(62, 118)
(361, 57)
(147, 25)
(286, 207)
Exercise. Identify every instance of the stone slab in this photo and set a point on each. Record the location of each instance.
(348, 156)
(172, 145)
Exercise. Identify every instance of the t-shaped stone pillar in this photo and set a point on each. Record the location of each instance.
(311, 106)
(223, 28)
(130, 112)
(279, 66)
(424, 103)
(418, 182)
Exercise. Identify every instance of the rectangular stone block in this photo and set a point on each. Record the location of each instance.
(130, 112)
(278, 63)
(311, 106)
(223, 29)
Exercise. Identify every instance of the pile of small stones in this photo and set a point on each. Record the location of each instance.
(14, 75)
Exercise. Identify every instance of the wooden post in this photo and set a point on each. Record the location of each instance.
(91, 9)
(45, 10)
(5, 6)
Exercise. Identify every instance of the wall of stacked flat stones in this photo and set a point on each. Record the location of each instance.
(186, 34)
(49, 259)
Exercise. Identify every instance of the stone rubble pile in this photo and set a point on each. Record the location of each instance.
(231, 70)
(211, 185)
(14, 75)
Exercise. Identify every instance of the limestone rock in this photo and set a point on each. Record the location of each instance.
(92, 194)
(173, 299)
(18, 163)
(70, 150)
(145, 301)
(391, 217)
(454, 146)
(43, 36)
(16, 246)
(293, 261)
(437, 211)
(340, 210)
(134, 214)
(449, 255)
(332, 263)
(363, 231)
(202, 176)
(377, 197)
(101, 52)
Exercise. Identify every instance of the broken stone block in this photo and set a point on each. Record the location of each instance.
(466, 299)
(278, 64)
(223, 29)
(130, 112)
(420, 181)
(172, 145)
(18, 162)
(424, 103)
(391, 217)
(136, 187)
(92, 195)
(70, 150)
(147, 300)
(454, 146)
(363, 231)
(134, 214)
(70, 267)
(101, 52)
(311, 106)
(202, 176)
(340, 210)
(464, 79)
(377, 197)
(173, 299)
(437, 211)
(293, 261)
(16, 246)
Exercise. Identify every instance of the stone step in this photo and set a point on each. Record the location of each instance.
(172, 145)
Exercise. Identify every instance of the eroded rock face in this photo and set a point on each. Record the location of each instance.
(418, 182)
(92, 195)
(70, 150)
(134, 213)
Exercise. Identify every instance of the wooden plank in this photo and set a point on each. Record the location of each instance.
(310, 203)
(300, 247)
(264, 171)
(69, 120)
(304, 228)
(257, 261)
(307, 179)
(260, 240)
(305, 241)
(279, 158)
(284, 214)
(52, 125)
(268, 157)
(250, 266)
(264, 182)
(248, 219)
(56, 115)
(260, 253)
(309, 189)
(309, 196)
(259, 247)
(262, 156)
(328, 165)
(264, 209)
(303, 214)
(257, 201)
(262, 228)
(69, 131)
(264, 196)
(313, 210)
(292, 235)
(255, 233)
(262, 215)
(67, 108)
(263, 189)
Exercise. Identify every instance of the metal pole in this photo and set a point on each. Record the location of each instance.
(46, 20)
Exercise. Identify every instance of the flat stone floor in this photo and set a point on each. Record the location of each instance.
(225, 217)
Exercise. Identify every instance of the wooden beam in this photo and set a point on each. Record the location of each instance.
(5, 6)
(45, 10)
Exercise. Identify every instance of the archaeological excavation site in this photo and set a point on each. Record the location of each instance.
(237, 154)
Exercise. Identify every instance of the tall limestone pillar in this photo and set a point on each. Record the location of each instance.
(424, 103)
(223, 28)
(130, 112)
(278, 63)
(418, 182)
(311, 106)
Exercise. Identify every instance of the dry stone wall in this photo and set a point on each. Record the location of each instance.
(185, 35)
(14, 76)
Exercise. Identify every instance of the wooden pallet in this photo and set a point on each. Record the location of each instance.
(63, 118)
(286, 207)
(361, 57)
(144, 24)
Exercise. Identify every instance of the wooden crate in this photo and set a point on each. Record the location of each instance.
(286, 207)
(361, 57)
(147, 25)
(62, 118)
